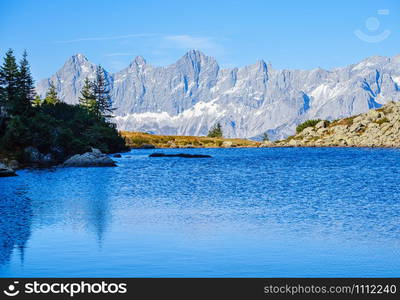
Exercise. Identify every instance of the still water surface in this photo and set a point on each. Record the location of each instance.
(244, 212)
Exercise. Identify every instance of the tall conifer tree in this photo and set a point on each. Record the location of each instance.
(51, 95)
(101, 91)
(9, 75)
(26, 87)
(87, 98)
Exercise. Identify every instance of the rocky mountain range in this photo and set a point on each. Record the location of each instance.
(191, 95)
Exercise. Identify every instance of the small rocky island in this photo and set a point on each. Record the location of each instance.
(376, 128)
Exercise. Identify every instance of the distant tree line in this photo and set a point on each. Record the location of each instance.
(48, 124)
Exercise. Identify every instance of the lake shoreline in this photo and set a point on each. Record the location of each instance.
(52, 166)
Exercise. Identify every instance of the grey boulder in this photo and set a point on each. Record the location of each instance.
(90, 159)
(34, 156)
(6, 171)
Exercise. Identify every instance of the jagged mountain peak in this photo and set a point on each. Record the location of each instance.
(262, 65)
(77, 59)
(196, 56)
(77, 63)
(138, 61)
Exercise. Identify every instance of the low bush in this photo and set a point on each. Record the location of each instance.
(381, 121)
(308, 123)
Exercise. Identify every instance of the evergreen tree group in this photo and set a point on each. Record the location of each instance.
(16, 85)
(50, 125)
(95, 95)
(215, 131)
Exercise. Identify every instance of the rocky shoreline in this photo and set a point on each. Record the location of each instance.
(6, 170)
(378, 128)
(93, 158)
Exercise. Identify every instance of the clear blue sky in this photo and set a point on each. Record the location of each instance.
(289, 34)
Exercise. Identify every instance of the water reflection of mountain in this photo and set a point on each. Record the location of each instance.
(15, 223)
(76, 197)
(52, 201)
(97, 206)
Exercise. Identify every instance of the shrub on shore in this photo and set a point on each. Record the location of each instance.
(308, 123)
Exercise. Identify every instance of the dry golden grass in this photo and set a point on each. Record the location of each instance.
(137, 139)
(345, 121)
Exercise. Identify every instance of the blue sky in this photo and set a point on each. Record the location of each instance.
(289, 34)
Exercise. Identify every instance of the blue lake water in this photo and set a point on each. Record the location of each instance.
(243, 213)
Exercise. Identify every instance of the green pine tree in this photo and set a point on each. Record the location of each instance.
(37, 101)
(101, 91)
(26, 88)
(9, 75)
(51, 95)
(87, 98)
(215, 131)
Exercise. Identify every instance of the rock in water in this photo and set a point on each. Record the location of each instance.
(117, 155)
(90, 159)
(184, 155)
(6, 171)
